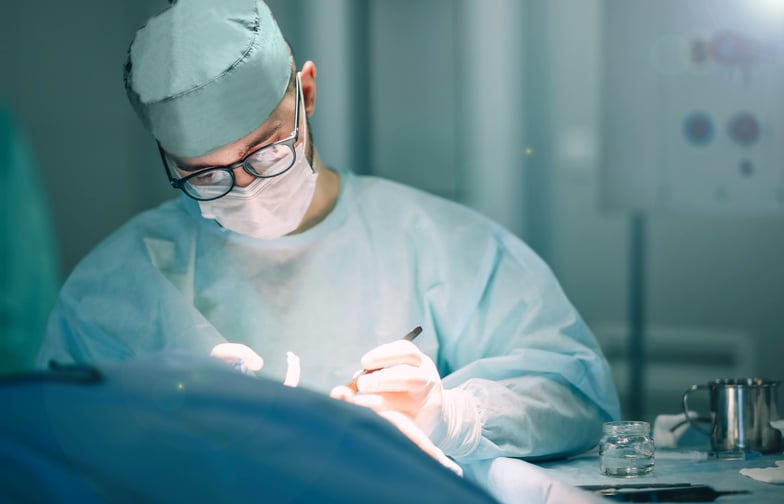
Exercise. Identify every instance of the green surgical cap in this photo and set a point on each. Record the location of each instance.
(205, 73)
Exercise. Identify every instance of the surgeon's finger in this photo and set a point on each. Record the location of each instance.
(372, 401)
(390, 354)
(293, 370)
(401, 378)
(233, 352)
(393, 401)
(342, 393)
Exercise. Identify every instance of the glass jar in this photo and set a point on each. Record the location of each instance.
(626, 449)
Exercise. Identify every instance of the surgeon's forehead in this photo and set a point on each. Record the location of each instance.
(266, 133)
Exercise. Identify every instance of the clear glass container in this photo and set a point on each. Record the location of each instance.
(626, 449)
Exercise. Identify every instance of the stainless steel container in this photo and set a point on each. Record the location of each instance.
(741, 412)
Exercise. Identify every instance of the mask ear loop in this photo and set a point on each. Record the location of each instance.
(306, 128)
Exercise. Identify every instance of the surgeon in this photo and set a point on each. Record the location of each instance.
(269, 248)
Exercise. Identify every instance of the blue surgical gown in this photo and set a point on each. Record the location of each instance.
(385, 259)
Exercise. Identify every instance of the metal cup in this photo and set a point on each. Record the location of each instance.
(741, 412)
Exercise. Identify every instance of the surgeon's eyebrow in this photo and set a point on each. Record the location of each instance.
(263, 138)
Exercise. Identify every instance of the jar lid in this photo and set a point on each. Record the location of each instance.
(627, 426)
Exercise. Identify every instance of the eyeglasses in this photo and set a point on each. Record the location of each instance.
(215, 182)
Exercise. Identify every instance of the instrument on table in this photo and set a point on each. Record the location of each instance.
(659, 492)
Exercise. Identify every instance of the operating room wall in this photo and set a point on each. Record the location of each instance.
(493, 103)
(709, 280)
(62, 79)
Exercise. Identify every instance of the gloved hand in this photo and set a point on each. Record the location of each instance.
(405, 380)
(404, 424)
(244, 359)
(240, 357)
(399, 378)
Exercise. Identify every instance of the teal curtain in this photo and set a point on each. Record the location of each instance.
(29, 271)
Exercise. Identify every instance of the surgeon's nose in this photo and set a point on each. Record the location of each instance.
(242, 178)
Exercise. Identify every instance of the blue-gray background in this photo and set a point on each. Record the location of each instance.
(493, 103)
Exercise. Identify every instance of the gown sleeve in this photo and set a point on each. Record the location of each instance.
(524, 375)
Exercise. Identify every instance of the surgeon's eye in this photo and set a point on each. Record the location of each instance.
(208, 178)
(270, 155)
(270, 161)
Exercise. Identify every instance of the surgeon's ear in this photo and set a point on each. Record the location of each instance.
(307, 77)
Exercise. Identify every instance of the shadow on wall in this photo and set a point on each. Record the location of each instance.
(29, 271)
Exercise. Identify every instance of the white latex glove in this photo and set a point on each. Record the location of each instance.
(668, 429)
(404, 425)
(244, 359)
(292, 370)
(767, 474)
(405, 380)
(238, 356)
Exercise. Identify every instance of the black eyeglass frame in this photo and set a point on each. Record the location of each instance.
(179, 183)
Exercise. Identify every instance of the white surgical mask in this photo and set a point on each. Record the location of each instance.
(267, 208)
